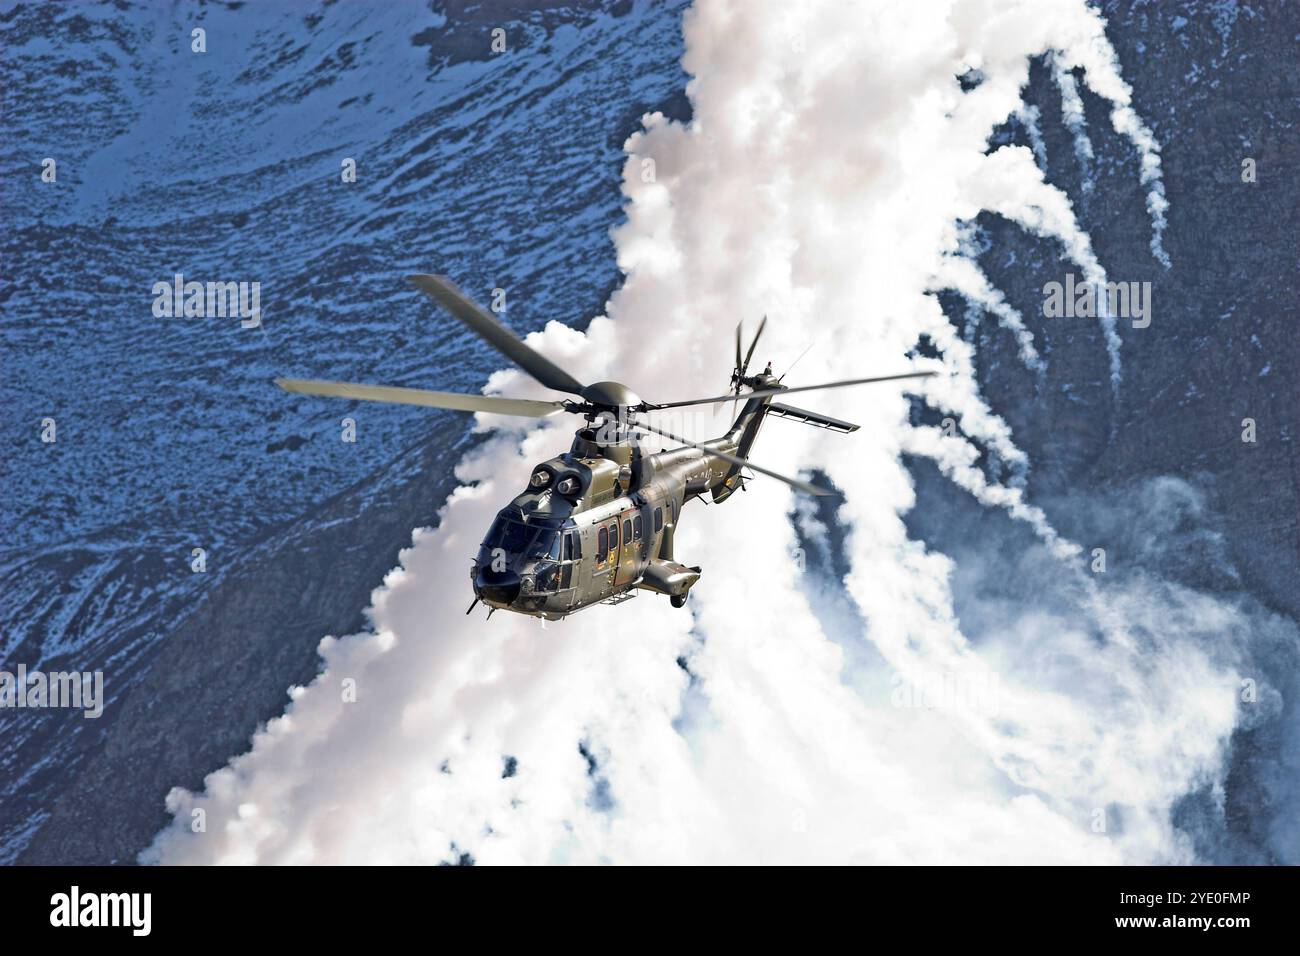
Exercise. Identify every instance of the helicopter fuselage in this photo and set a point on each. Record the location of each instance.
(598, 522)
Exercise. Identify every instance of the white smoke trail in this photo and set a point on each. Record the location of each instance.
(1030, 118)
(961, 273)
(1088, 48)
(1008, 182)
(831, 153)
(1074, 118)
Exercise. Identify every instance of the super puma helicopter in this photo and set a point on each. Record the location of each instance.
(597, 522)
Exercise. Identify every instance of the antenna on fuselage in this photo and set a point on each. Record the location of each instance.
(794, 363)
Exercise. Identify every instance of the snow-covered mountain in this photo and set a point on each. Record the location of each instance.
(499, 168)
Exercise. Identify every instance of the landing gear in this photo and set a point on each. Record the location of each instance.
(679, 600)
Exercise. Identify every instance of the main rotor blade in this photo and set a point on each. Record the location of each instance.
(754, 344)
(443, 291)
(801, 388)
(738, 328)
(735, 460)
(420, 396)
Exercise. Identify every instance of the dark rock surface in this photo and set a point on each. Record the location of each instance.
(501, 170)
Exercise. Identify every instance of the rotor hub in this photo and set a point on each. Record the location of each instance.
(611, 395)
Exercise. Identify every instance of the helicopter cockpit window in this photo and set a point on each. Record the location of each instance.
(555, 567)
(510, 536)
(572, 546)
(548, 576)
(546, 544)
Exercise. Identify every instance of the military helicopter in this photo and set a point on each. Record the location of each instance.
(596, 523)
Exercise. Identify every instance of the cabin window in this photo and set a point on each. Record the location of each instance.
(575, 542)
(627, 531)
(602, 546)
(613, 536)
(636, 527)
(659, 519)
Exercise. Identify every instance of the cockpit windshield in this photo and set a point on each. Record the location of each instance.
(515, 537)
(546, 544)
(510, 536)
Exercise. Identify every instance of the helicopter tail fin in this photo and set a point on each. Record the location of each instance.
(744, 431)
(745, 428)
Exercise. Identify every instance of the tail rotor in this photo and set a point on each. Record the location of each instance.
(742, 364)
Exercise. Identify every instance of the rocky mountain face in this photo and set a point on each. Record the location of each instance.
(498, 167)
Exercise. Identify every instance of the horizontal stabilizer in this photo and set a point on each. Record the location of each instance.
(810, 418)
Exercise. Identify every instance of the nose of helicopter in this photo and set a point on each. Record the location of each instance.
(497, 587)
